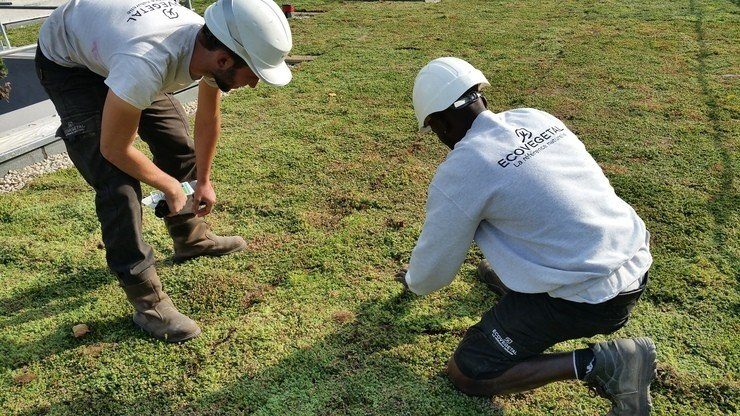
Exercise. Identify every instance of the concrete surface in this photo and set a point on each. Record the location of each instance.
(10, 15)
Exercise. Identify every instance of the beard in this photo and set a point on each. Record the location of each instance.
(225, 79)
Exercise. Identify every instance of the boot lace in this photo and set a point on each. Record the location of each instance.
(596, 389)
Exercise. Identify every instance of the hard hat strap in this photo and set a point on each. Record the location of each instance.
(466, 100)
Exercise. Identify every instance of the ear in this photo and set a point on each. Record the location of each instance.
(438, 124)
(223, 59)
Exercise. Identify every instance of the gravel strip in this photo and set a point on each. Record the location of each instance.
(190, 107)
(17, 179)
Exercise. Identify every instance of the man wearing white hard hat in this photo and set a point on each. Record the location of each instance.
(110, 68)
(568, 257)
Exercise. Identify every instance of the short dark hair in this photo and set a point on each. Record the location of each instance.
(209, 41)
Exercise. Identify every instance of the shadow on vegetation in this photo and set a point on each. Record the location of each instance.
(37, 298)
(344, 372)
(726, 199)
(14, 354)
(69, 292)
(347, 372)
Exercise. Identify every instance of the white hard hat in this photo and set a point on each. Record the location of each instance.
(440, 83)
(257, 31)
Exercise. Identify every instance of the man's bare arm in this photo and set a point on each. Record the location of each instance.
(118, 131)
(207, 129)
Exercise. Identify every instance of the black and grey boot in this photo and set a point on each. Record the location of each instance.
(490, 278)
(192, 237)
(155, 312)
(622, 372)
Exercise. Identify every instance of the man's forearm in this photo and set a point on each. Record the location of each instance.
(207, 129)
(205, 149)
(118, 131)
(443, 244)
(136, 164)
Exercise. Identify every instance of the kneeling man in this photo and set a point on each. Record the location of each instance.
(567, 255)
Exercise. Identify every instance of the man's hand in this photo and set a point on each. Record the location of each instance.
(176, 198)
(401, 278)
(205, 195)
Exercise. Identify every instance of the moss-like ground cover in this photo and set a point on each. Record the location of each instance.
(326, 179)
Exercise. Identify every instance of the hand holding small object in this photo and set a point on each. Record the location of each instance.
(401, 278)
(176, 198)
(203, 198)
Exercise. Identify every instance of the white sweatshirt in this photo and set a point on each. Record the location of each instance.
(524, 188)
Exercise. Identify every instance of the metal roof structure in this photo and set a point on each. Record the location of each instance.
(28, 122)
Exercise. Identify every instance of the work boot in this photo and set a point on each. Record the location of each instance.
(623, 370)
(192, 237)
(156, 314)
(490, 278)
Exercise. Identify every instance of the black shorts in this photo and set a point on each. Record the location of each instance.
(524, 325)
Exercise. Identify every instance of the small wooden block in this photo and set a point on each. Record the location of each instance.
(296, 59)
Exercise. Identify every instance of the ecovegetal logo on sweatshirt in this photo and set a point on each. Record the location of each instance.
(148, 6)
(531, 146)
(524, 134)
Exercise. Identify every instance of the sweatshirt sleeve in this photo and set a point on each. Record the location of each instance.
(443, 244)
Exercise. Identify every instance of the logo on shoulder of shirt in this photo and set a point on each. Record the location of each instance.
(171, 13)
(531, 145)
(523, 133)
(147, 6)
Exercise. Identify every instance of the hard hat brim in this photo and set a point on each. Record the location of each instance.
(277, 76)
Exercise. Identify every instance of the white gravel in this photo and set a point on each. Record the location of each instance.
(190, 107)
(17, 179)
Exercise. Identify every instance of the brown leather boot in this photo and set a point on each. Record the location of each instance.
(192, 237)
(156, 314)
(489, 277)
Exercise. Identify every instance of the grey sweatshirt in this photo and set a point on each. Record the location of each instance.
(523, 187)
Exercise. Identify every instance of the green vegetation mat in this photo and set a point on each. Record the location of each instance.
(326, 179)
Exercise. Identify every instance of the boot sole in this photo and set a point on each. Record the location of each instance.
(186, 338)
(183, 259)
(647, 349)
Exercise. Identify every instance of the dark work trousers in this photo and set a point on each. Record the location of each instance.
(79, 95)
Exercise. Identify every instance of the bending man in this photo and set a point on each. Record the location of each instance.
(110, 68)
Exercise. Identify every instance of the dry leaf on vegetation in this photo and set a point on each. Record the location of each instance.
(24, 378)
(80, 330)
(343, 316)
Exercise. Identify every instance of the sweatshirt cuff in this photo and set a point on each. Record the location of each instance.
(411, 286)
